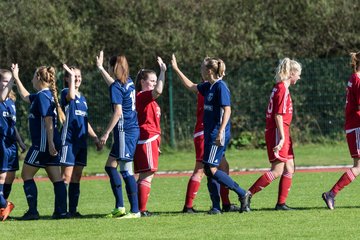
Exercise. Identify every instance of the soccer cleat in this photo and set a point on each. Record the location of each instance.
(30, 216)
(214, 211)
(329, 200)
(116, 212)
(230, 208)
(5, 212)
(282, 207)
(146, 214)
(245, 202)
(75, 215)
(189, 210)
(60, 215)
(130, 215)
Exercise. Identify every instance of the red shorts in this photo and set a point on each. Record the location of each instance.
(272, 139)
(146, 156)
(353, 140)
(199, 146)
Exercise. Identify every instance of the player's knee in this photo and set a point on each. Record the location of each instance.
(126, 169)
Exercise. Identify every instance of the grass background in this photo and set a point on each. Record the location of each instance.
(311, 220)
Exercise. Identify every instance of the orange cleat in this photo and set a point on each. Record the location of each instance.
(7, 210)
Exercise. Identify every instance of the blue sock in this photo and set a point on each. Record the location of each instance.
(115, 182)
(214, 190)
(60, 197)
(74, 194)
(7, 190)
(226, 180)
(31, 193)
(131, 190)
(2, 199)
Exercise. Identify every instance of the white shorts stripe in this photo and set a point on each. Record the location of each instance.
(33, 156)
(63, 154)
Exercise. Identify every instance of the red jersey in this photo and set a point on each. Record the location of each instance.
(279, 103)
(148, 115)
(199, 126)
(352, 113)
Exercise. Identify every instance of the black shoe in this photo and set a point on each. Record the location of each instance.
(245, 202)
(30, 216)
(214, 211)
(146, 214)
(230, 208)
(75, 215)
(189, 210)
(60, 215)
(282, 207)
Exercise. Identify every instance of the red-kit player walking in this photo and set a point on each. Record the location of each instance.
(352, 129)
(148, 88)
(277, 133)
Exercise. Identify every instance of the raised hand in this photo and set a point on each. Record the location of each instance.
(174, 63)
(70, 71)
(15, 70)
(100, 59)
(162, 65)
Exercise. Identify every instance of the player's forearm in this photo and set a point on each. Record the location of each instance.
(71, 94)
(225, 118)
(186, 82)
(49, 130)
(91, 131)
(106, 76)
(159, 85)
(117, 114)
(279, 124)
(24, 94)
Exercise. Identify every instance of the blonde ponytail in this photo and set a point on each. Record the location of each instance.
(47, 74)
(355, 61)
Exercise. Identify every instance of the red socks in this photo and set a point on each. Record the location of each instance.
(262, 182)
(224, 194)
(345, 180)
(144, 188)
(284, 187)
(192, 189)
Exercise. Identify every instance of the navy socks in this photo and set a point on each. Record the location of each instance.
(115, 182)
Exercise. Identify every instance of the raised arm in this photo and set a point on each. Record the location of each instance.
(71, 93)
(24, 94)
(161, 79)
(99, 63)
(186, 82)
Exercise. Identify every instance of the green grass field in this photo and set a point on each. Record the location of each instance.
(311, 220)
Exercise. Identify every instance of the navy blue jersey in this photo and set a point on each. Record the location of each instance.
(8, 119)
(42, 105)
(216, 96)
(75, 128)
(124, 95)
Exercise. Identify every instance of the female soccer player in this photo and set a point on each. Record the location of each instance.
(9, 162)
(277, 133)
(352, 129)
(217, 112)
(124, 125)
(46, 144)
(198, 173)
(74, 136)
(148, 88)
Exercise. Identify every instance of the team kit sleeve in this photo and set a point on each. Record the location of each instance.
(279, 101)
(44, 105)
(116, 94)
(202, 88)
(224, 95)
(32, 97)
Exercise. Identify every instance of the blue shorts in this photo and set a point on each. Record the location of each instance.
(213, 154)
(72, 155)
(39, 159)
(9, 160)
(124, 145)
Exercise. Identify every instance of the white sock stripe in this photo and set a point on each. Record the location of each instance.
(270, 175)
(287, 174)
